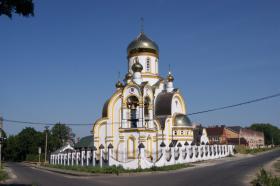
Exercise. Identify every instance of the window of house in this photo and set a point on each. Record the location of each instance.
(182, 132)
(175, 132)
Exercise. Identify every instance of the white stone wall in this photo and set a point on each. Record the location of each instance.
(167, 156)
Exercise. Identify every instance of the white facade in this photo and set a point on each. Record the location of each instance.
(144, 109)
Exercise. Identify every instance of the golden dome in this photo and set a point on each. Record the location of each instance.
(142, 44)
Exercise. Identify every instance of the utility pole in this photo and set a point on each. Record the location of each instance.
(46, 144)
(239, 136)
(1, 140)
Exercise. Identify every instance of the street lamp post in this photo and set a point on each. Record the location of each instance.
(46, 143)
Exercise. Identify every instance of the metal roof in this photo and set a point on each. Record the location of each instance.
(105, 109)
(163, 104)
(142, 42)
(181, 120)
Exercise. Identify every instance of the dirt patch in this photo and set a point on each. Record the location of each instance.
(273, 167)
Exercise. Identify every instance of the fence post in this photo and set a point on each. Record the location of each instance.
(110, 152)
(77, 157)
(172, 152)
(93, 155)
(101, 148)
(72, 159)
(163, 152)
(141, 154)
(87, 155)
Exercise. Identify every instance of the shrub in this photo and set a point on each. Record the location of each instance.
(245, 150)
(266, 179)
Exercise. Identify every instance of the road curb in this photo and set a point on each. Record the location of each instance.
(85, 174)
(66, 172)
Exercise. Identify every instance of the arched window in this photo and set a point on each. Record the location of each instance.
(147, 103)
(132, 105)
(131, 147)
(148, 67)
(156, 65)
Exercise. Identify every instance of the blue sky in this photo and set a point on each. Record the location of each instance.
(62, 64)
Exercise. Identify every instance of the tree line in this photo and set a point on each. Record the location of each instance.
(271, 132)
(24, 145)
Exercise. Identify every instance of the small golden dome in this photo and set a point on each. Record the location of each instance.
(119, 84)
(137, 67)
(170, 77)
(128, 76)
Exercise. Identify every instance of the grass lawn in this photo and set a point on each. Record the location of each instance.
(117, 170)
(245, 150)
(3, 174)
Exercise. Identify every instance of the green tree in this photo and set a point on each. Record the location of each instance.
(11, 150)
(21, 7)
(60, 134)
(271, 132)
(28, 142)
(25, 144)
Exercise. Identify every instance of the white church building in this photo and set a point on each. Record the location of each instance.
(144, 123)
(145, 108)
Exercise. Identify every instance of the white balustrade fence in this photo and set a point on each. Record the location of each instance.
(166, 156)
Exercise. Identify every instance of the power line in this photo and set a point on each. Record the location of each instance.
(235, 105)
(42, 123)
(194, 113)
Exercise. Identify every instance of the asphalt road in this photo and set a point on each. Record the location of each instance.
(226, 173)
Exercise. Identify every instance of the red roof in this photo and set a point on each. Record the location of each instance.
(215, 131)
